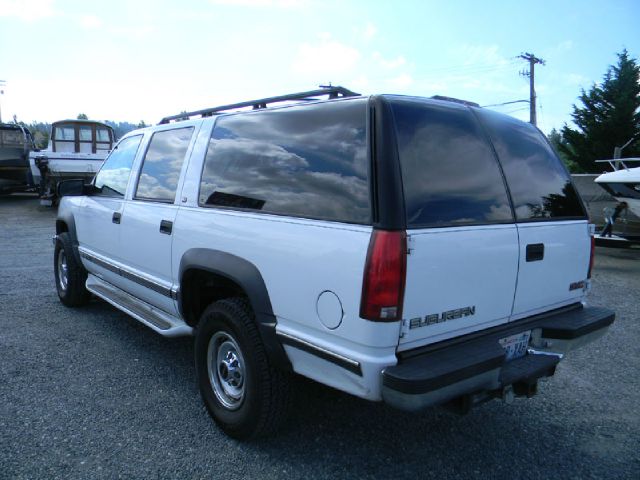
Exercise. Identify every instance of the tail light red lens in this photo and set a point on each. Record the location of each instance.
(384, 276)
(592, 255)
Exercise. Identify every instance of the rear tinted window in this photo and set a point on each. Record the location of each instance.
(539, 184)
(449, 172)
(11, 137)
(306, 161)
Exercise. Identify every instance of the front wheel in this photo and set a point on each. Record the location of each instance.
(243, 393)
(70, 275)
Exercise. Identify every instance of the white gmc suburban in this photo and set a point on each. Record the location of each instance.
(410, 250)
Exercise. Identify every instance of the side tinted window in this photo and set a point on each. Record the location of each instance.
(113, 177)
(162, 165)
(540, 186)
(306, 161)
(449, 172)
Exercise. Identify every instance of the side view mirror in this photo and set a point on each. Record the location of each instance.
(74, 188)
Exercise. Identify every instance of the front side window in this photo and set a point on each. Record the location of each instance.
(450, 175)
(162, 164)
(85, 133)
(65, 133)
(113, 177)
(308, 161)
(540, 186)
(102, 135)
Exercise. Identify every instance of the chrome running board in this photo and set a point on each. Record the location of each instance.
(163, 323)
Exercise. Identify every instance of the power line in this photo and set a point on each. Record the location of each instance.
(505, 103)
(516, 110)
(544, 122)
(471, 67)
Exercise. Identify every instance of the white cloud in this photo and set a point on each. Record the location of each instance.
(139, 32)
(562, 47)
(482, 74)
(401, 81)
(434, 88)
(482, 55)
(329, 57)
(576, 80)
(565, 46)
(360, 84)
(397, 62)
(369, 32)
(485, 85)
(28, 10)
(90, 22)
(261, 3)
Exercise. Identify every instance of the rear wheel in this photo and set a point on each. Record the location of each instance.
(243, 393)
(70, 275)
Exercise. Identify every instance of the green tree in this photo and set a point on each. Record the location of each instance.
(556, 140)
(82, 116)
(609, 117)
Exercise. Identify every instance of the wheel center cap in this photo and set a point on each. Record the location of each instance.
(230, 370)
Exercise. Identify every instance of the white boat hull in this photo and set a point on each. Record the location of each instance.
(68, 164)
(624, 186)
(634, 205)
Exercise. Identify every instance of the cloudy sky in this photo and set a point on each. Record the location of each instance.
(142, 60)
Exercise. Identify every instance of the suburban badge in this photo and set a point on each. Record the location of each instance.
(442, 317)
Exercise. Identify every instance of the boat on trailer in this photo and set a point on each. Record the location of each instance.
(16, 142)
(77, 149)
(623, 183)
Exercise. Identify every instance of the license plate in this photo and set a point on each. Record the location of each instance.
(515, 346)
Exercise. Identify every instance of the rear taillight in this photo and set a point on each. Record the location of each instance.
(592, 255)
(384, 276)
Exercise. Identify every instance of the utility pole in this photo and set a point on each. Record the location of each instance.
(532, 59)
(2, 84)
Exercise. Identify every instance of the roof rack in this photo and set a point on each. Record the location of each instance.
(332, 92)
(455, 100)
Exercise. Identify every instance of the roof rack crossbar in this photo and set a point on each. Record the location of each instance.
(332, 92)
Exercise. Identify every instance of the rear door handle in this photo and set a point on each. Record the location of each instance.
(166, 227)
(116, 217)
(535, 252)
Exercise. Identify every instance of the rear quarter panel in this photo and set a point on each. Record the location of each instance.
(298, 260)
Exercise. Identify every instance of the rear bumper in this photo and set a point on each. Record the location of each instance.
(475, 364)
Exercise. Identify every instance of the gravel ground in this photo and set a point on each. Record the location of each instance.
(91, 393)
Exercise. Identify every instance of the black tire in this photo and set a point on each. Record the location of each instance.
(252, 399)
(70, 274)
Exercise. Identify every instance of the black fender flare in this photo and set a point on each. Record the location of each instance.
(69, 220)
(248, 277)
